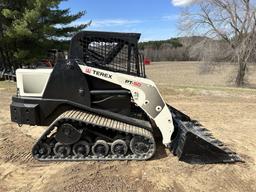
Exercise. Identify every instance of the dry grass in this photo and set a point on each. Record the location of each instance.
(189, 74)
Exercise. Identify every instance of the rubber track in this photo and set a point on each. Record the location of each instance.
(103, 122)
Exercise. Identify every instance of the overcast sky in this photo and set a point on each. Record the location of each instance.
(155, 19)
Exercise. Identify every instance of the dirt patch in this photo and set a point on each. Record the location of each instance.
(15, 146)
(98, 177)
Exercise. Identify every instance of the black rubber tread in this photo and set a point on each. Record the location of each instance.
(88, 118)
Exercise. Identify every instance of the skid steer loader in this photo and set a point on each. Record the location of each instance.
(99, 105)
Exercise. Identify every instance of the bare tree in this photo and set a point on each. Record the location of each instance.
(233, 21)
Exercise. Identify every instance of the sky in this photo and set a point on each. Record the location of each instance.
(154, 19)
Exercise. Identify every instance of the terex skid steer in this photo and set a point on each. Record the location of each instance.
(99, 105)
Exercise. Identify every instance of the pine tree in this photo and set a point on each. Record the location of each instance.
(31, 27)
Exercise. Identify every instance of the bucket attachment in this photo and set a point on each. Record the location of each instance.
(195, 144)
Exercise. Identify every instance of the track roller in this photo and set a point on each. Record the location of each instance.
(119, 147)
(140, 145)
(44, 149)
(62, 150)
(100, 148)
(81, 148)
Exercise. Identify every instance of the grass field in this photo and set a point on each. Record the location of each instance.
(229, 112)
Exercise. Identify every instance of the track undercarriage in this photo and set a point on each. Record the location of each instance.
(77, 135)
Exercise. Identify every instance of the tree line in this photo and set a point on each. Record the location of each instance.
(193, 48)
(164, 50)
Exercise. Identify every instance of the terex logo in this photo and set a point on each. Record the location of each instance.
(134, 83)
(98, 73)
(101, 74)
